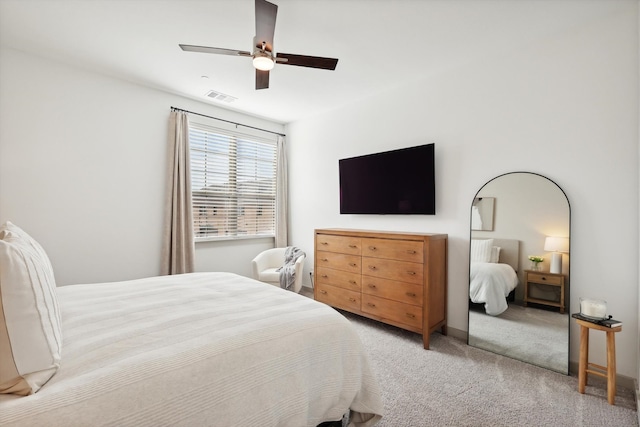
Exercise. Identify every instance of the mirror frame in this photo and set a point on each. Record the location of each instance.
(568, 273)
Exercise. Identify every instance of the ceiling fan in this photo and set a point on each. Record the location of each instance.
(263, 56)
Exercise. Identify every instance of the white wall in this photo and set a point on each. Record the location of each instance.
(82, 169)
(566, 108)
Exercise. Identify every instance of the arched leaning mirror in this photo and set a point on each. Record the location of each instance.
(517, 307)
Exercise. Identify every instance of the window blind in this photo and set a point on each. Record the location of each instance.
(233, 183)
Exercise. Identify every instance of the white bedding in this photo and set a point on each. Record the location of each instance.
(201, 349)
(490, 283)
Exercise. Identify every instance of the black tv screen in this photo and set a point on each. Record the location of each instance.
(392, 182)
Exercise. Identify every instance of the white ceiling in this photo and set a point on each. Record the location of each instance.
(381, 45)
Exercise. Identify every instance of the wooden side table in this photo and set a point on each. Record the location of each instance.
(584, 367)
(544, 278)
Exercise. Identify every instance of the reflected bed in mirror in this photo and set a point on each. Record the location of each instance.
(527, 208)
(493, 279)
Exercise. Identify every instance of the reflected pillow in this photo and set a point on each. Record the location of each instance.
(495, 254)
(481, 250)
(30, 332)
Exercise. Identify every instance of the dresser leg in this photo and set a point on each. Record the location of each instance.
(425, 340)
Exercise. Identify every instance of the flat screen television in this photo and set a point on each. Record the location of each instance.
(392, 182)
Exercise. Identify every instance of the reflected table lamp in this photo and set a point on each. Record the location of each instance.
(557, 245)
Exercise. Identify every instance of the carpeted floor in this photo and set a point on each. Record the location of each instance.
(540, 337)
(454, 384)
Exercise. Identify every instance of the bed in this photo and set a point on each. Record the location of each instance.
(492, 273)
(199, 349)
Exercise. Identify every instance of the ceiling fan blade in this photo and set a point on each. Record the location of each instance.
(307, 61)
(217, 50)
(262, 79)
(265, 24)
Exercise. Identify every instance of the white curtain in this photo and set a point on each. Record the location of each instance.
(281, 194)
(178, 250)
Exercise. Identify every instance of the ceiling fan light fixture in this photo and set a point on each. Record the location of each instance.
(263, 61)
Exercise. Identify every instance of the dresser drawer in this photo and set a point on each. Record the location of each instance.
(350, 263)
(338, 297)
(408, 293)
(341, 279)
(402, 250)
(403, 313)
(544, 278)
(339, 244)
(403, 271)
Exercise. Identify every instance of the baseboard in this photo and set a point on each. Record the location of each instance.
(621, 380)
(637, 389)
(457, 334)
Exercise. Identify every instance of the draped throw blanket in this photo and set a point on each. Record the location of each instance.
(288, 270)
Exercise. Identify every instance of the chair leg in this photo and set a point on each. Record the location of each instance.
(611, 367)
(584, 358)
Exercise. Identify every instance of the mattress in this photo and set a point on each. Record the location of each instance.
(200, 349)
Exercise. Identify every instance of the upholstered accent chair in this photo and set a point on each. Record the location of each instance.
(265, 265)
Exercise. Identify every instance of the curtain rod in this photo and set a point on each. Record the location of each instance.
(227, 121)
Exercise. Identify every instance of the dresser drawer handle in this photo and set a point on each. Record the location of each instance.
(543, 278)
(411, 273)
(370, 304)
(324, 276)
(411, 315)
(353, 264)
(372, 267)
(324, 260)
(373, 248)
(353, 246)
(372, 286)
(411, 294)
(324, 243)
(411, 251)
(322, 291)
(352, 299)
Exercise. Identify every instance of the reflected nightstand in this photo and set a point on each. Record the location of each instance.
(544, 278)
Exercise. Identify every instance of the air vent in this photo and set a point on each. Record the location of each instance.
(220, 96)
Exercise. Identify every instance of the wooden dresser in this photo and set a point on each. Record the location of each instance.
(395, 278)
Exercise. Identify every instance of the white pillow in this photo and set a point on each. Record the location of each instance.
(30, 333)
(495, 254)
(481, 250)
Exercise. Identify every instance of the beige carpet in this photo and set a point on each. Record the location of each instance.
(540, 337)
(454, 384)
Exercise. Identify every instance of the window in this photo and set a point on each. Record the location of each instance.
(233, 183)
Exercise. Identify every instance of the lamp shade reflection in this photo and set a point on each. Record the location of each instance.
(557, 245)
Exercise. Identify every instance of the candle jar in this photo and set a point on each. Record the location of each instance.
(593, 308)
